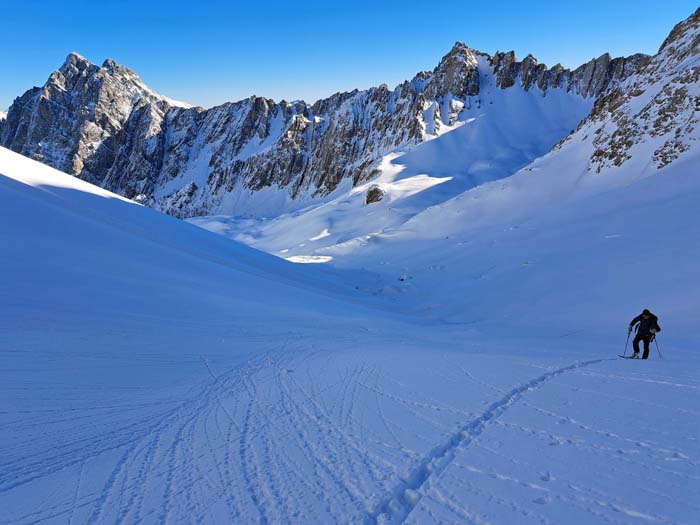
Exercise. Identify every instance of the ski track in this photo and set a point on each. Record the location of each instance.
(396, 507)
(256, 442)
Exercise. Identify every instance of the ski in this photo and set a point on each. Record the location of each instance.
(627, 356)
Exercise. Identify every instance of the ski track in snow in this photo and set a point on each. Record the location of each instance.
(407, 494)
(262, 441)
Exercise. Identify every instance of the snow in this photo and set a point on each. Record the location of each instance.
(177, 103)
(452, 360)
(309, 259)
(153, 371)
(324, 233)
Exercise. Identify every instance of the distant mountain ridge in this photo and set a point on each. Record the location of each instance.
(104, 125)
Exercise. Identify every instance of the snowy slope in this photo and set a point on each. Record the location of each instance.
(121, 313)
(153, 372)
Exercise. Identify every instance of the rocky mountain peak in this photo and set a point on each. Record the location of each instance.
(74, 62)
(684, 39)
(459, 51)
(76, 113)
(460, 55)
(457, 73)
(71, 71)
(78, 71)
(110, 65)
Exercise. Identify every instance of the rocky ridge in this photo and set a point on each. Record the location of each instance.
(104, 125)
(654, 116)
(589, 80)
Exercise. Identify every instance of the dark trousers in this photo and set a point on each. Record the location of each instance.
(642, 337)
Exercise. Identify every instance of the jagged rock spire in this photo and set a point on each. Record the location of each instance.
(457, 73)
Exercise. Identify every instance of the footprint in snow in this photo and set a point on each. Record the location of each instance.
(677, 456)
(542, 500)
(622, 451)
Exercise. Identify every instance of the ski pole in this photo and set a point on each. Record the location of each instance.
(626, 343)
(657, 348)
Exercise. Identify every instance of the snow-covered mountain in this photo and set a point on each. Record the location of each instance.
(606, 220)
(640, 126)
(621, 188)
(155, 372)
(459, 367)
(259, 157)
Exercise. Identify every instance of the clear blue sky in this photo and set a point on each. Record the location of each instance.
(208, 52)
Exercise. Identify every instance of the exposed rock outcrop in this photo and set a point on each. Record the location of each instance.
(589, 80)
(374, 194)
(654, 116)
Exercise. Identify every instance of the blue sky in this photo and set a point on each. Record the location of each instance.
(208, 52)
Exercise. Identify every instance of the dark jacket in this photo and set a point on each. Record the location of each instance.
(646, 325)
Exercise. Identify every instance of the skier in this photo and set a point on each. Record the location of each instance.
(647, 327)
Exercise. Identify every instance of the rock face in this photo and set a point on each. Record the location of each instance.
(105, 126)
(654, 116)
(589, 80)
(72, 121)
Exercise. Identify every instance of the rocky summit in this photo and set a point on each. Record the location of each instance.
(104, 125)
